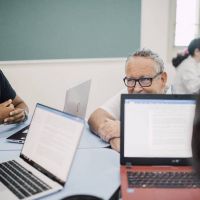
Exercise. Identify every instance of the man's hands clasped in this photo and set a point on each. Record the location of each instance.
(9, 114)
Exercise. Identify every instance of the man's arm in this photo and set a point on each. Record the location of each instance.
(19, 103)
(104, 124)
(97, 118)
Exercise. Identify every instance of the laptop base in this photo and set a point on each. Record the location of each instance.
(156, 193)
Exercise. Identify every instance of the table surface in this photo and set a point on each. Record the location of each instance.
(94, 171)
(88, 139)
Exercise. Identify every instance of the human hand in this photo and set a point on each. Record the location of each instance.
(5, 109)
(110, 128)
(115, 144)
(15, 116)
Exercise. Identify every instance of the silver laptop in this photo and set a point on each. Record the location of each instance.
(76, 101)
(45, 160)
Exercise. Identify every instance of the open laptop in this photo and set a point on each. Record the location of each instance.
(45, 160)
(76, 101)
(155, 155)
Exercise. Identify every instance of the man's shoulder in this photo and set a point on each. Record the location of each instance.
(118, 94)
(2, 77)
(124, 91)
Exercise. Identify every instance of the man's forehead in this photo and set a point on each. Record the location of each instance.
(141, 64)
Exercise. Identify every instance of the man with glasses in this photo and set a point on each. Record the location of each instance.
(144, 73)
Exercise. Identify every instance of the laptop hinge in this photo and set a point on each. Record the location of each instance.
(128, 165)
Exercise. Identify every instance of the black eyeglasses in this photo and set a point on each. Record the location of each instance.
(144, 81)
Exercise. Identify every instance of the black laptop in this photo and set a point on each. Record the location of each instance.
(19, 136)
(156, 151)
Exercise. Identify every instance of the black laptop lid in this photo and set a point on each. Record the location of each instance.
(156, 129)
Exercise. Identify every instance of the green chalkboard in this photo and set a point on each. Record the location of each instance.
(61, 29)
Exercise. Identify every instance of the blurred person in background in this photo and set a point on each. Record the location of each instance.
(187, 64)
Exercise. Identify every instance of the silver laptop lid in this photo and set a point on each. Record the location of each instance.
(156, 129)
(76, 99)
(51, 142)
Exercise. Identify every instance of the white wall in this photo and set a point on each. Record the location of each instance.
(155, 30)
(47, 81)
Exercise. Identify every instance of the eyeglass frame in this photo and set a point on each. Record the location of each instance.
(139, 79)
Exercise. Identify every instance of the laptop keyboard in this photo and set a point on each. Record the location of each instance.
(163, 180)
(19, 180)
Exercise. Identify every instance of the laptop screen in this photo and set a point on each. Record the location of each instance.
(52, 140)
(157, 126)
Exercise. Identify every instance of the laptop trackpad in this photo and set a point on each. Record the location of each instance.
(6, 193)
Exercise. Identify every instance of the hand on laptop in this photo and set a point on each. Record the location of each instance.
(15, 116)
(5, 109)
(109, 129)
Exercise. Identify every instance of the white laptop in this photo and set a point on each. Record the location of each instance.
(45, 160)
(76, 101)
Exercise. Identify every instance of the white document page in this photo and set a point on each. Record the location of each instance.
(52, 141)
(158, 128)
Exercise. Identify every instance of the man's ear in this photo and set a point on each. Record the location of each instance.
(164, 79)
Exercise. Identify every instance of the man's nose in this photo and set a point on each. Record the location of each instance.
(138, 88)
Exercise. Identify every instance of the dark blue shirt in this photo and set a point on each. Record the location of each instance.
(6, 90)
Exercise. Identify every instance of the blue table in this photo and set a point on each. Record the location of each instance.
(95, 169)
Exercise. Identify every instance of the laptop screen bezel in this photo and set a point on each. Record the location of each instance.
(152, 160)
(37, 166)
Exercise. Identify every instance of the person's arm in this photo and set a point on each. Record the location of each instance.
(19, 114)
(97, 118)
(104, 124)
(19, 103)
(105, 120)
